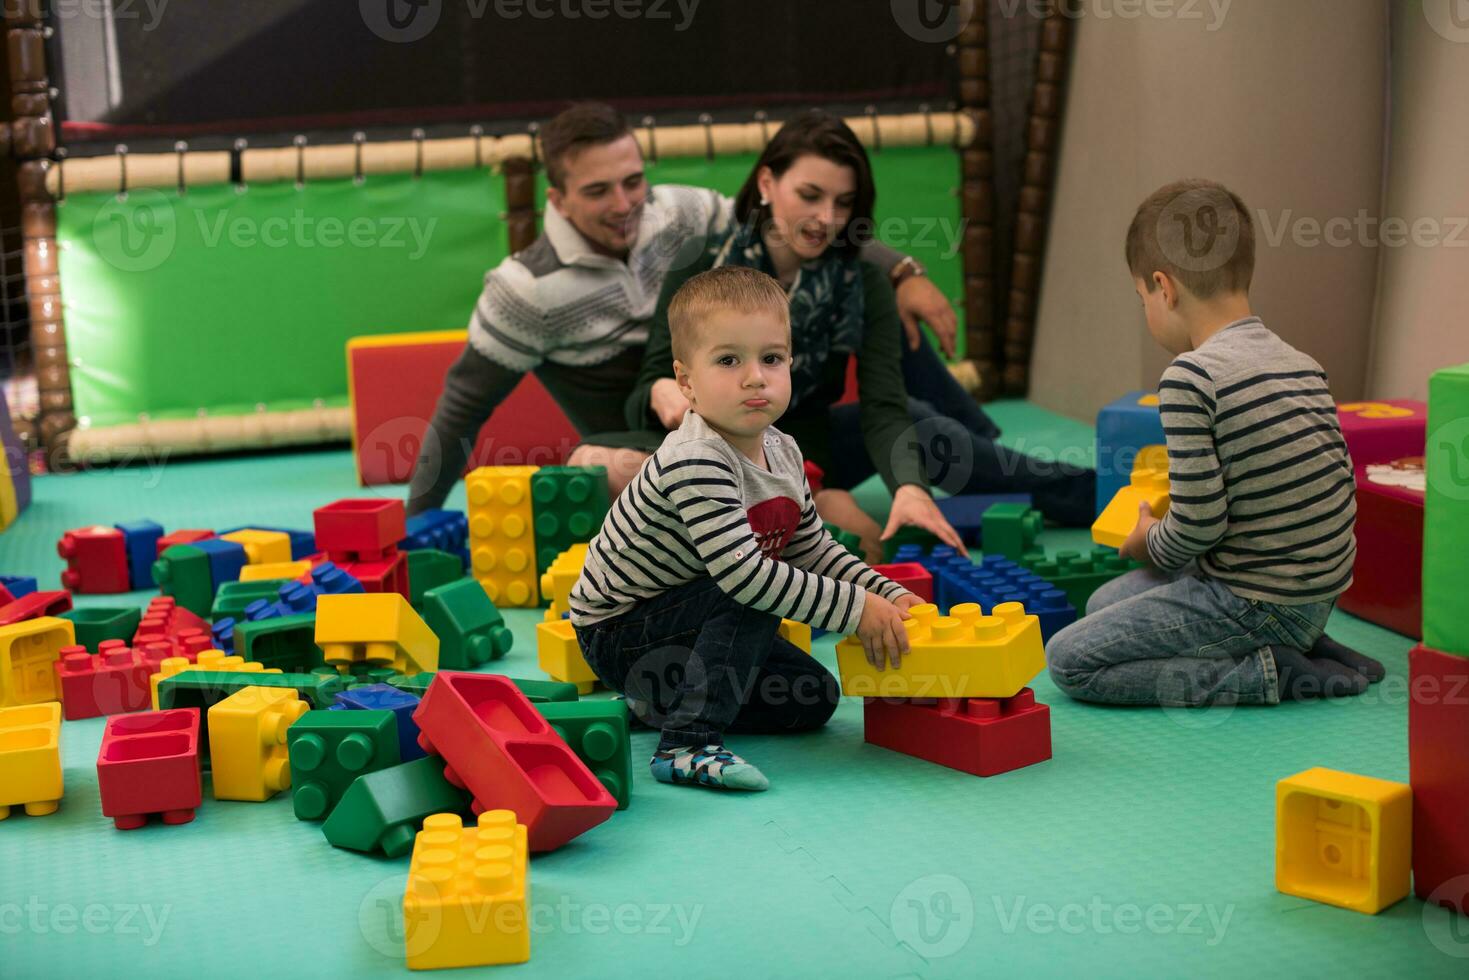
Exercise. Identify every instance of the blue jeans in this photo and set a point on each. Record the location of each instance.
(697, 664)
(1178, 639)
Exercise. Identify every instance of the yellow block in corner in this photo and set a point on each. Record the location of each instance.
(275, 570)
(1343, 839)
(262, 547)
(560, 656)
(1149, 483)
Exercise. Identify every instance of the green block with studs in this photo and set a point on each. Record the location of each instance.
(382, 811)
(1077, 574)
(568, 504)
(470, 629)
(287, 642)
(330, 749)
(183, 572)
(597, 732)
(429, 569)
(233, 597)
(1010, 530)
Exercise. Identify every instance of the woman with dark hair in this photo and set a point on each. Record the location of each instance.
(802, 216)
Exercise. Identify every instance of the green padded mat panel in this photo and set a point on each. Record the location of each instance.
(1144, 848)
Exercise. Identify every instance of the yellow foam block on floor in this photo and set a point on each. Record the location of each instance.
(9, 505)
(559, 579)
(216, 660)
(1149, 483)
(962, 655)
(560, 656)
(468, 887)
(377, 628)
(502, 547)
(262, 547)
(30, 758)
(1343, 839)
(28, 651)
(275, 569)
(247, 742)
(797, 633)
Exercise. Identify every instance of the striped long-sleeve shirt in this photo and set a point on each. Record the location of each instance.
(1260, 478)
(700, 507)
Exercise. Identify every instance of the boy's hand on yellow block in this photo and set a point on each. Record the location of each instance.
(881, 631)
(907, 601)
(1136, 545)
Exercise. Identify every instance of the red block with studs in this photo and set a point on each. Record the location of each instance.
(982, 736)
(911, 576)
(165, 621)
(1438, 768)
(149, 763)
(113, 682)
(96, 560)
(35, 605)
(366, 530)
(498, 747)
(187, 536)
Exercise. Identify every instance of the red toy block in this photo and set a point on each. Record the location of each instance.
(5, 597)
(187, 536)
(981, 736)
(166, 621)
(1438, 768)
(96, 560)
(385, 575)
(113, 682)
(1387, 579)
(499, 748)
(1382, 431)
(911, 576)
(149, 763)
(360, 530)
(34, 605)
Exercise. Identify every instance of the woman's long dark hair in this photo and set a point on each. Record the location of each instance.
(825, 135)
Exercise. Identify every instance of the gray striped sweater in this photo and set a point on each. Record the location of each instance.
(700, 507)
(1260, 479)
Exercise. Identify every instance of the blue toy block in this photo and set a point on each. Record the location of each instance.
(141, 540)
(1123, 427)
(226, 558)
(222, 632)
(966, 512)
(385, 697)
(303, 543)
(298, 597)
(442, 530)
(18, 585)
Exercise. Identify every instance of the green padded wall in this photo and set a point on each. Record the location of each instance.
(222, 299)
(1446, 518)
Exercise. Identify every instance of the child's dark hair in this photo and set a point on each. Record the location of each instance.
(1197, 231)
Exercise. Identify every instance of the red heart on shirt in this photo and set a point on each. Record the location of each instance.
(774, 521)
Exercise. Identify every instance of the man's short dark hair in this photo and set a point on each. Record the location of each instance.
(572, 130)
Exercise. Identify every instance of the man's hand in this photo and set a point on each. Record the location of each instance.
(668, 402)
(881, 630)
(912, 506)
(920, 301)
(839, 507)
(1136, 545)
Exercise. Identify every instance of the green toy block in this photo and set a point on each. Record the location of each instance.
(97, 624)
(329, 749)
(429, 569)
(1446, 512)
(287, 642)
(597, 732)
(908, 535)
(536, 692)
(1076, 574)
(1010, 529)
(183, 572)
(852, 542)
(568, 504)
(470, 629)
(203, 689)
(382, 811)
(233, 597)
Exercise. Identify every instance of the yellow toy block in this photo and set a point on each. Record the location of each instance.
(30, 758)
(207, 660)
(377, 628)
(9, 506)
(468, 889)
(247, 742)
(262, 547)
(558, 580)
(1343, 839)
(502, 548)
(276, 569)
(560, 657)
(797, 633)
(27, 651)
(1149, 483)
(962, 655)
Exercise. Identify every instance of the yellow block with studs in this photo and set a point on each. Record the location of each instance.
(1149, 484)
(273, 570)
(262, 547)
(560, 655)
(502, 547)
(559, 579)
(207, 660)
(247, 742)
(378, 628)
(30, 758)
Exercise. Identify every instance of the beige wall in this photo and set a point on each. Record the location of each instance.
(1423, 289)
(1284, 103)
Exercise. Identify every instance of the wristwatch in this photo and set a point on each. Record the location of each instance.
(906, 269)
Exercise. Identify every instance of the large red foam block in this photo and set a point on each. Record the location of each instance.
(911, 576)
(96, 560)
(981, 736)
(149, 763)
(362, 529)
(1438, 768)
(113, 682)
(1387, 579)
(1382, 431)
(33, 605)
(395, 384)
(498, 747)
(385, 575)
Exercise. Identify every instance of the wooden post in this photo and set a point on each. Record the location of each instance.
(520, 203)
(977, 196)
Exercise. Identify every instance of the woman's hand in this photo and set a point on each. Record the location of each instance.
(919, 300)
(668, 402)
(913, 507)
